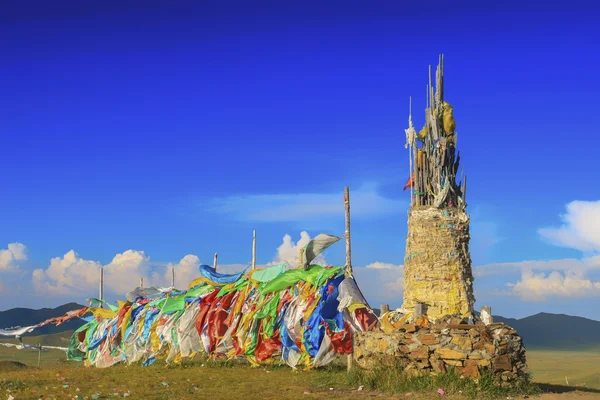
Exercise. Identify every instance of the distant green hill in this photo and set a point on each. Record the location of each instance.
(27, 317)
(556, 331)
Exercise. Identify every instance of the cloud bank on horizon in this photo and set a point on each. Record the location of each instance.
(531, 281)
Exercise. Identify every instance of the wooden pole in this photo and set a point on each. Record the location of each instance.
(410, 150)
(141, 282)
(101, 294)
(383, 309)
(348, 255)
(173, 277)
(253, 249)
(39, 354)
(347, 233)
(215, 261)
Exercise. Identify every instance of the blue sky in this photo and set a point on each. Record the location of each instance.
(136, 135)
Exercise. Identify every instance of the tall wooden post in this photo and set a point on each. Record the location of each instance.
(254, 250)
(141, 282)
(101, 294)
(39, 354)
(347, 233)
(172, 277)
(348, 256)
(215, 261)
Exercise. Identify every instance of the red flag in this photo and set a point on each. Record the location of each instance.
(410, 182)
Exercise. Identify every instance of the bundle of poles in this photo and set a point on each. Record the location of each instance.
(433, 159)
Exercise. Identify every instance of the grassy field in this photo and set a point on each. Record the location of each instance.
(578, 368)
(64, 380)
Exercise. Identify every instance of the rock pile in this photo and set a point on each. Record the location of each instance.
(471, 349)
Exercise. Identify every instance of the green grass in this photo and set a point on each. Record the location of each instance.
(235, 379)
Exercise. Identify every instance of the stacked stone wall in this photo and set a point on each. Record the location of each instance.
(470, 349)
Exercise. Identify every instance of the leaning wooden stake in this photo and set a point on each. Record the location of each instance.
(215, 261)
(254, 250)
(39, 354)
(172, 277)
(348, 253)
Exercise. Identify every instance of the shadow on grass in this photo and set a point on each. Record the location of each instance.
(547, 388)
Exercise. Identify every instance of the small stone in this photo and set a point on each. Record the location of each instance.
(409, 328)
(475, 355)
(456, 363)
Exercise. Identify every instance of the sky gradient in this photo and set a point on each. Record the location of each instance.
(155, 133)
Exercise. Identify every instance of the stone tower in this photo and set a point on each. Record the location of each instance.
(437, 265)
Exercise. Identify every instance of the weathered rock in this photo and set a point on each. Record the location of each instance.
(449, 354)
(484, 363)
(428, 339)
(474, 333)
(483, 346)
(502, 363)
(463, 342)
(471, 369)
(455, 363)
(421, 353)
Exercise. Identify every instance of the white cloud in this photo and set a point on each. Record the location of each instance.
(12, 257)
(73, 274)
(569, 278)
(539, 280)
(567, 264)
(381, 283)
(289, 252)
(186, 270)
(382, 265)
(540, 287)
(365, 202)
(580, 229)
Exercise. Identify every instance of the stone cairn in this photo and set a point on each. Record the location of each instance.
(469, 348)
(436, 328)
